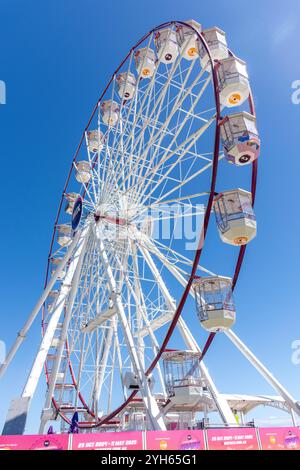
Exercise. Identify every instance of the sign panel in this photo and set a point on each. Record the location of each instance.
(175, 440)
(232, 439)
(35, 442)
(108, 441)
(76, 213)
(280, 438)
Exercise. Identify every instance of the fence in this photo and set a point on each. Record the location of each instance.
(281, 438)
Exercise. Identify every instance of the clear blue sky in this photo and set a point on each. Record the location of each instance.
(56, 57)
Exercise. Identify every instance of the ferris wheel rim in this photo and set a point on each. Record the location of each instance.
(198, 251)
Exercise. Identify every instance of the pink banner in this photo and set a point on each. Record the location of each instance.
(35, 442)
(280, 438)
(175, 440)
(232, 439)
(108, 440)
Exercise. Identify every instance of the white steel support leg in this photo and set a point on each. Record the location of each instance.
(119, 356)
(78, 262)
(151, 406)
(111, 381)
(140, 305)
(38, 364)
(22, 334)
(79, 373)
(221, 403)
(264, 372)
(293, 418)
(162, 286)
(103, 363)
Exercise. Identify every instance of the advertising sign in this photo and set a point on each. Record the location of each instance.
(175, 440)
(280, 438)
(232, 439)
(35, 442)
(108, 441)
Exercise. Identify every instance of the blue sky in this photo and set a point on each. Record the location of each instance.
(56, 57)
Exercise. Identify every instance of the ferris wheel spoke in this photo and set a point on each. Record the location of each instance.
(103, 362)
(154, 140)
(181, 96)
(137, 116)
(119, 355)
(122, 100)
(185, 182)
(137, 294)
(178, 130)
(93, 404)
(157, 138)
(185, 147)
(145, 319)
(56, 314)
(148, 94)
(159, 202)
(149, 401)
(151, 171)
(158, 102)
(166, 317)
(77, 317)
(79, 372)
(84, 294)
(66, 322)
(156, 248)
(169, 214)
(111, 382)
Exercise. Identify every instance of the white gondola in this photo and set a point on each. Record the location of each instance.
(53, 294)
(188, 40)
(233, 82)
(110, 111)
(235, 217)
(241, 143)
(95, 140)
(216, 41)
(131, 382)
(126, 84)
(83, 171)
(64, 394)
(166, 45)
(51, 358)
(214, 303)
(145, 61)
(64, 234)
(54, 263)
(60, 376)
(182, 376)
(55, 342)
(71, 198)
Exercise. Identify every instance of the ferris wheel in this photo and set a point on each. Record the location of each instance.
(172, 141)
